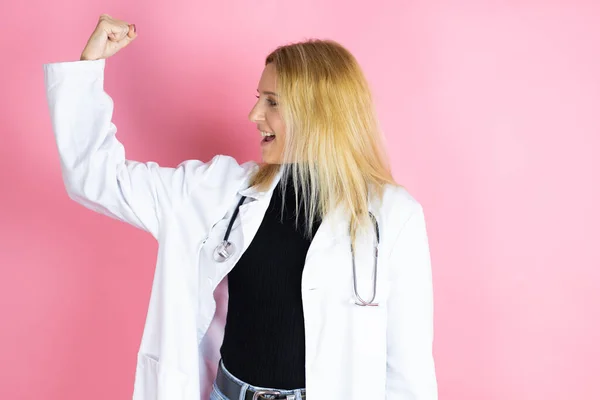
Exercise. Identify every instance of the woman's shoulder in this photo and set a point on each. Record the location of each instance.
(397, 205)
(221, 168)
(221, 175)
(398, 199)
(228, 164)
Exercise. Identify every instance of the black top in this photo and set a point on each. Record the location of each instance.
(264, 333)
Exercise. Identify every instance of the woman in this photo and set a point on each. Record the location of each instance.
(308, 273)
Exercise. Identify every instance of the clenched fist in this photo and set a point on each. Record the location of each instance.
(110, 36)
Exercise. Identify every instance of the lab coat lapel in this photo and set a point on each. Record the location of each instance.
(335, 228)
(254, 208)
(332, 229)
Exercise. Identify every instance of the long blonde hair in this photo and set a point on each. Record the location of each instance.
(333, 150)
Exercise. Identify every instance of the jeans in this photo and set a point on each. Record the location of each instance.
(217, 395)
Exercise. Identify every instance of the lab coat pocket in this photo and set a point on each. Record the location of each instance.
(370, 325)
(156, 381)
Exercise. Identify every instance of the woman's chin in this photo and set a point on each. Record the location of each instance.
(268, 158)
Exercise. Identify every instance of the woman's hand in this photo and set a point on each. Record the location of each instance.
(110, 36)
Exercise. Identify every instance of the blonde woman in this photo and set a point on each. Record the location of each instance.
(304, 276)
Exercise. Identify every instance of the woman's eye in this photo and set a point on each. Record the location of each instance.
(272, 103)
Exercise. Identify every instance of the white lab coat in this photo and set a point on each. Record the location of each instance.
(352, 352)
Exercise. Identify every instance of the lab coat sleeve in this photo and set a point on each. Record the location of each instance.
(95, 171)
(410, 365)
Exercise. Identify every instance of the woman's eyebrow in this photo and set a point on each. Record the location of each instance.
(267, 92)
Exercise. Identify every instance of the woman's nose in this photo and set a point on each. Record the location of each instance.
(255, 115)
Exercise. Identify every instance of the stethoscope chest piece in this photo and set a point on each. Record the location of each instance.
(223, 251)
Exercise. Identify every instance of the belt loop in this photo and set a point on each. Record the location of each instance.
(243, 391)
(298, 394)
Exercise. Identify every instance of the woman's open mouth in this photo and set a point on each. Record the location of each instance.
(267, 137)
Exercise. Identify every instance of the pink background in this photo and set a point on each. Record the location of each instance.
(491, 111)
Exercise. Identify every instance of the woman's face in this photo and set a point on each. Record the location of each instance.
(267, 118)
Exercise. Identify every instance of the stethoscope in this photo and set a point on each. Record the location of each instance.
(226, 249)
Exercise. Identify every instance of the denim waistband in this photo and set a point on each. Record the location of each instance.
(245, 387)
